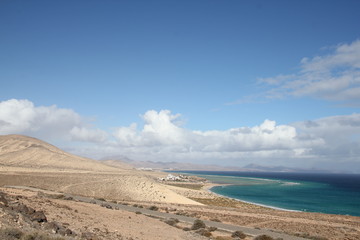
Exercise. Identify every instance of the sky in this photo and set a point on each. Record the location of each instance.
(207, 81)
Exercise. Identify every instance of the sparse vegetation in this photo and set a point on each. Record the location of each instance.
(212, 229)
(203, 232)
(223, 238)
(308, 236)
(318, 238)
(10, 233)
(198, 224)
(263, 237)
(153, 208)
(106, 205)
(189, 186)
(172, 221)
(238, 234)
(17, 234)
(138, 212)
(223, 202)
(215, 220)
(138, 206)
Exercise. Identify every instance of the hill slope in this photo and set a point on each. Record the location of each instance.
(26, 152)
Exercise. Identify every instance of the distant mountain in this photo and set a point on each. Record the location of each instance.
(167, 165)
(259, 168)
(26, 152)
(116, 160)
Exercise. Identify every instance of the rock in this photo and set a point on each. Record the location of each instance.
(58, 228)
(22, 208)
(89, 236)
(53, 226)
(106, 205)
(3, 200)
(64, 231)
(38, 216)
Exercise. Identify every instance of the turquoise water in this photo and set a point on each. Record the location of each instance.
(325, 193)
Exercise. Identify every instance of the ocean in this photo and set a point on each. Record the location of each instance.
(309, 192)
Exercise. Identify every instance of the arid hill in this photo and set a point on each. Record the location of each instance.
(26, 152)
(27, 161)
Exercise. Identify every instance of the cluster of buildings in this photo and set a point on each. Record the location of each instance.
(170, 177)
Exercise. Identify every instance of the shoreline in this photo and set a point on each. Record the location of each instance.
(210, 185)
(289, 203)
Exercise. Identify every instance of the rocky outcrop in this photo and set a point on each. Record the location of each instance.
(23, 215)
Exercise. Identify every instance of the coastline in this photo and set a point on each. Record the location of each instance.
(210, 185)
(290, 192)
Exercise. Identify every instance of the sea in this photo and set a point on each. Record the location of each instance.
(307, 192)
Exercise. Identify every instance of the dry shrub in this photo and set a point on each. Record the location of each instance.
(223, 238)
(153, 208)
(10, 234)
(215, 220)
(203, 232)
(212, 229)
(172, 221)
(263, 237)
(198, 224)
(238, 234)
(17, 234)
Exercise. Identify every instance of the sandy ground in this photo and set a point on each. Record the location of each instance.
(142, 188)
(124, 185)
(101, 222)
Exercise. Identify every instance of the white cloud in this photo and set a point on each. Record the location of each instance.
(303, 144)
(88, 135)
(341, 135)
(161, 134)
(23, 117)
(163, 138)
(335, 76)
(160, 129)
(16, 116)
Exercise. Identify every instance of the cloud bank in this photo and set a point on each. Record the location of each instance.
(162, 137)
(335, 76)
(23, 117)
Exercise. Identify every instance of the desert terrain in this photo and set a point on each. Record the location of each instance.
(120, 202)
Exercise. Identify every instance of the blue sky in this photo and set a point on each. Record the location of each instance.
(81, 74)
